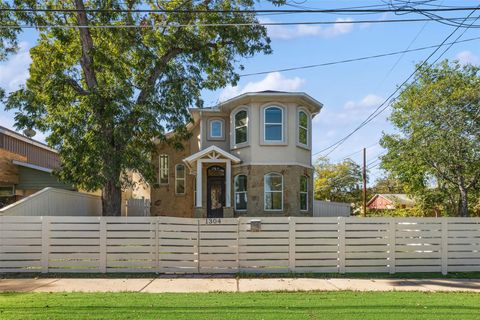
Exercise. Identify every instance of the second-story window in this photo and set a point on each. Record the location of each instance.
(241, 127)
(163, 169)
(303, 128)
(216, 129)
(273, 130)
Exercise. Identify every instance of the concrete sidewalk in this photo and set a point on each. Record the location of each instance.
(230, 284)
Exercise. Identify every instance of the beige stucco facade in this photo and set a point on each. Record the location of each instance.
(285, 156)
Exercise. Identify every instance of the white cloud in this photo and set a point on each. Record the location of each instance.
(289, 32)
(273, 81)
(370, 100)
(14, 71)
(466, 57)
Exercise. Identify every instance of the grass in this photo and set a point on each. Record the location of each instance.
(404, 275)
(251, 306)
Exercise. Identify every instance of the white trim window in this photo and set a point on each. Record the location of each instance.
(241, 127)
(180, 179)
(303, 193)
(240, 183)
(303, 128)
(163, 169)
(273, 124)
(216, 129)
(273, 192)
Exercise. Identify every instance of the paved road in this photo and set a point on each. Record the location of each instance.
(229, 284)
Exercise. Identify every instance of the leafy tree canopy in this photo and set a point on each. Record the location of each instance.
(338, 181)
(105, 94)
(436, 153)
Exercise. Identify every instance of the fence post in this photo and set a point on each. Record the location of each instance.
(392, 244)
(103, 244)
(198, 245)
(45, 243)
(341, 244)
(444, 249)
(238, 244)
(157, 246)
(291, 244)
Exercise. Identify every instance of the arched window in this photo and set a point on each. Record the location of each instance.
(240, 192)
(303, 193)
(303, 128)
(273, 192)
(241, 127)
(273, 130)
(216, 129)
(180, 179)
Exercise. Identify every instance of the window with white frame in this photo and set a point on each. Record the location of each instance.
(216, 129)
(163, 169)
(303, 193)
(273, 124)
(180, 179)
(273, 192)
(240, 192)
(303, 128)
(241, 127)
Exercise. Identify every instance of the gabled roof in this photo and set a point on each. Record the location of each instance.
(212, 152)
(397, 198)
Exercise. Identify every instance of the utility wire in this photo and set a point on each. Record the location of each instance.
(257, 23)
(354, 59)
(384, 105)
(249, 11)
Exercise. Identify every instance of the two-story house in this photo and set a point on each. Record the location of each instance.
(250, 155)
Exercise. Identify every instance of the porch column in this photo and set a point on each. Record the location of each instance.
(228, 182)
(199, 184)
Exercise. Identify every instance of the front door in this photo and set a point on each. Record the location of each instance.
(215, 192)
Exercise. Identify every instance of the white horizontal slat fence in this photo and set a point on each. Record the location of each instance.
(281, 244)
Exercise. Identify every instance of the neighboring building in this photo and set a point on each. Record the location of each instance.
(250, 155)
(331, 209)
(390, 201)
(26, 167)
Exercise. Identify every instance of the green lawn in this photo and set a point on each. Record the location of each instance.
(278, 306)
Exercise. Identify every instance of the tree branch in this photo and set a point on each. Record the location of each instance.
(78, 88)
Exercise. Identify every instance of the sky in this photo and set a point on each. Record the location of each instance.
(348, 91)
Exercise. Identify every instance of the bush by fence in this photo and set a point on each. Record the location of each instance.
(295, 244)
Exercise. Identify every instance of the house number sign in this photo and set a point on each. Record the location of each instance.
(214, 220)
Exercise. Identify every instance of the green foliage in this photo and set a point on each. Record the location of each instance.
(436, 153)
(388, 184)
(401, 213)
(105, 94)
(338, 181)
(8, 36)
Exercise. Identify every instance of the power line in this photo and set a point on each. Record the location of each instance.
(384, 105)
(246, 24)
(354, 59)
(249, 11)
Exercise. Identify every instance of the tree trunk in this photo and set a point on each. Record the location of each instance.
(463, 207)
(111, 199)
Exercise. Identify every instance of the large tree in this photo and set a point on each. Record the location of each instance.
(338, 181)
(124, 77)
(8, 36)
(437, 150)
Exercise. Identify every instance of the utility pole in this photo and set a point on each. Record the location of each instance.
(364, 212)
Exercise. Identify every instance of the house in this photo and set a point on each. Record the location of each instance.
(26, 167)
(390, 201)
(248, 156)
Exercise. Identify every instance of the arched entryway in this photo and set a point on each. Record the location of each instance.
(215, 191)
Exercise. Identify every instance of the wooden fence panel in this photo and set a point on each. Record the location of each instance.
(316, 245)
(266, 250)
(367, 245)
(275, 244)
(178, 244)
